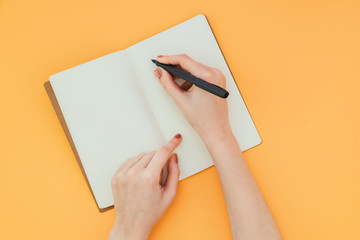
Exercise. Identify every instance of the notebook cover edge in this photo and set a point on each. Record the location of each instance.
(50, 92)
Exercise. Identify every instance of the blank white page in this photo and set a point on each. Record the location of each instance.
(195, 38)
(107, 116)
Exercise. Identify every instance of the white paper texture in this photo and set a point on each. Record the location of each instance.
(115, 108)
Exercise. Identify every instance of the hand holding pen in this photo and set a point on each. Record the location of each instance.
(207, 113)
(207, 86)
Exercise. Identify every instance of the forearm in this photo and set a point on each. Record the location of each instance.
(249, 215)
(116, 234)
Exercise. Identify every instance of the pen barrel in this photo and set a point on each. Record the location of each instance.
(200, 83)
(209, 87)
(214, 89)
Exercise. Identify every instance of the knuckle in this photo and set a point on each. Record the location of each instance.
(214, 76)
(217, 73)
(118, 179)
(184, 56)
(207, 75)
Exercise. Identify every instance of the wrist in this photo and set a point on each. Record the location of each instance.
(215, 136)
(223, 148)
(117, 234)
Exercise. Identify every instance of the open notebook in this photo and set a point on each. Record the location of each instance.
(114, 107)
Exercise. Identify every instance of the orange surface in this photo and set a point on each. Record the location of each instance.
(297, 64)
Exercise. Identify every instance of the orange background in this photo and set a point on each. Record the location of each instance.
(297, 64)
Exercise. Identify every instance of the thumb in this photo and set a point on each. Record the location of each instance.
(172, 180)
(169, 85)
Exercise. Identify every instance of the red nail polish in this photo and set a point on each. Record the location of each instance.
(178, 135)
(159, 56)
(176, 158)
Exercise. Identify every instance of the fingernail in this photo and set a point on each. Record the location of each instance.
(159, 56)
(178, 135)
(158, 70)
(176, 158)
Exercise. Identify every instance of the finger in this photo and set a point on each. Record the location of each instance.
(183, 60)
(163, 154)
(122, 166)
(187, 63)
(172, 180)
(170, 85)
(133, 161)
(184, 85)
(145, 160)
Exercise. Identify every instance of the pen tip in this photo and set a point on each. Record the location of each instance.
(154, 61)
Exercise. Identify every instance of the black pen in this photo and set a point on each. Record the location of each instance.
(209, 87)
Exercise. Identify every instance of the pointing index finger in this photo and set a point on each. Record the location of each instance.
(163, 154)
